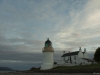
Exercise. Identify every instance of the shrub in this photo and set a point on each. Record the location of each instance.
(97, 55)
(55, 62)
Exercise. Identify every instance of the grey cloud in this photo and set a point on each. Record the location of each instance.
(91, 54)
(18, 42)
(7, 53)
(2, 39)
(27, 59)
(20, 52)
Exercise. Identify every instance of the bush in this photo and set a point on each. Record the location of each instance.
(97, 55)
(55, 62)
(33, 68)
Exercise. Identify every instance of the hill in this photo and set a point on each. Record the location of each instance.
(5, 69)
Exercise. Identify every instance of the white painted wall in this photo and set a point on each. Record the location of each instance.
(48, 61)
(75, 60)
(86, 55)
(80, 54)
(84, 62)
(78, 60)
(62, 60)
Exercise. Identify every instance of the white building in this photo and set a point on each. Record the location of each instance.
(48, 51)
(76, 58)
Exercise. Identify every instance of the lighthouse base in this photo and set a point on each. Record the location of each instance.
(46, 66)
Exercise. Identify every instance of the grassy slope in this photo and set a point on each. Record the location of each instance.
(92, 66)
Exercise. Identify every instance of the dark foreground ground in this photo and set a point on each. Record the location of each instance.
(21, 73)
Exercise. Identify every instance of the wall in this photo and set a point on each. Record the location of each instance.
(80, 54)
(77, 59)
(48, 61)
(86, 55)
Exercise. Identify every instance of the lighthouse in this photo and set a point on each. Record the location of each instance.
(48, 52)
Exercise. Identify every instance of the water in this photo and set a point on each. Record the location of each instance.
(5, 71)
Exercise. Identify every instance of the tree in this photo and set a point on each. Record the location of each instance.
(97, 55)
(55, 62)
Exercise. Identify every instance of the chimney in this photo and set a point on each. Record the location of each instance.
(80, 49)
(84, 50)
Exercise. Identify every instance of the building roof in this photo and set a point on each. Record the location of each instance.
(89, 60)
(71, 53)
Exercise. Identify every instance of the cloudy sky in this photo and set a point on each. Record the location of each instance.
(26, 24)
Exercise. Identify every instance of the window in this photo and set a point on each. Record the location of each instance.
(68, 57)
(81, 63)
(75, 62)
(74, 57)
(64, 58)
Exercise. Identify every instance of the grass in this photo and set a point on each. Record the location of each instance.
(70, 69)
(92, 66)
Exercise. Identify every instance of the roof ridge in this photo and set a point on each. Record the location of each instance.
(75, 51)
(71, 53)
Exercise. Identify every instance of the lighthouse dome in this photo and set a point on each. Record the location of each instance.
(48, 46)
(48, 43)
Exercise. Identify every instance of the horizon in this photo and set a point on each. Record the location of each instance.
(25, 25)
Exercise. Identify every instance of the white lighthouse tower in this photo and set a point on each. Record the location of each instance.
(48, 60)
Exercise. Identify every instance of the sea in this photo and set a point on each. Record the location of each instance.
(6, 71)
